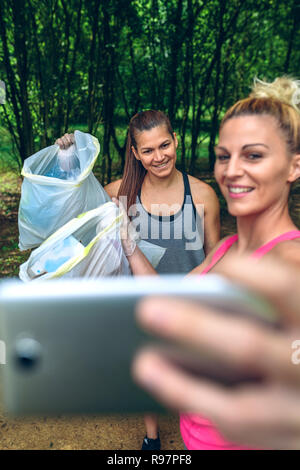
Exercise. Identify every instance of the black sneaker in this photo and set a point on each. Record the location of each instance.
(151, 444)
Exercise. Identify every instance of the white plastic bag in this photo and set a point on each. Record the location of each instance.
(49, 202)
(87, 246)
(65, 166)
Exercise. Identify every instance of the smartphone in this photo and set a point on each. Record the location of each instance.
(69, 344)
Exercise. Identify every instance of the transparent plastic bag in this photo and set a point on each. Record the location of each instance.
(58, 185)
(65, 165)
(87, 246)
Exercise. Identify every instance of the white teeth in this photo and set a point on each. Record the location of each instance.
(160, 166)
(239, 190)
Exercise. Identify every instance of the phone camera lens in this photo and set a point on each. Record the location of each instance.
(27, 353)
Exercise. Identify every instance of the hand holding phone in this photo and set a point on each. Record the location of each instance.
(264, 414)
(70, 344)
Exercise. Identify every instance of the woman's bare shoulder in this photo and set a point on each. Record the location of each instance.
(208, 259)
(201, 190)
(217, 246)
(288, 251)
(112, 189)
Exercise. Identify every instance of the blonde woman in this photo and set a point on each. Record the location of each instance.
(257, 160)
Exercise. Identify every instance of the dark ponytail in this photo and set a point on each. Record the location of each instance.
(134, 172)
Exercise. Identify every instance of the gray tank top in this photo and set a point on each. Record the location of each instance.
(180, 234)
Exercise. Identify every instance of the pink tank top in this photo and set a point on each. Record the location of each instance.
(199, 433)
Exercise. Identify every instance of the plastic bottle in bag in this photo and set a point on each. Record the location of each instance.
(61, 252)
(66, 165)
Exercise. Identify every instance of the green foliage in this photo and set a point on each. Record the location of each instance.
(98, 62)
(10, 256)
(9, 158)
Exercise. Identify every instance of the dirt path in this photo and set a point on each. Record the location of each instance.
(84, 432)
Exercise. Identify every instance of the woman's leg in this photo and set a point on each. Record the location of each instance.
(151, 423)
(152, 440)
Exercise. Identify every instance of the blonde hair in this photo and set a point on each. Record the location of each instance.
(280, 99)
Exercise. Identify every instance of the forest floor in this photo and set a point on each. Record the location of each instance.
(83, 432)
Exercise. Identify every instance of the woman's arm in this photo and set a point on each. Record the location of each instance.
(112, 189)
(211, 221)
(204, 196)
(208, 259)
(139, 264)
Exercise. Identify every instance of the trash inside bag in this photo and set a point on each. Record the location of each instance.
(59, 254)
(87, 246)
(65, 165)
(58, 185)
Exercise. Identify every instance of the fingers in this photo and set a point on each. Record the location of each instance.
(65, 141)
(243, 344)
(266, 417)
(173, 387)
(116, 201)
(235, 340)
(278, 282)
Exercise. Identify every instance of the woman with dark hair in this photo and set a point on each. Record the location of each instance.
(163, 199)
(169, 208)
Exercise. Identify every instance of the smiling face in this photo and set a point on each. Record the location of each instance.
(253, 168)
(156, 150)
